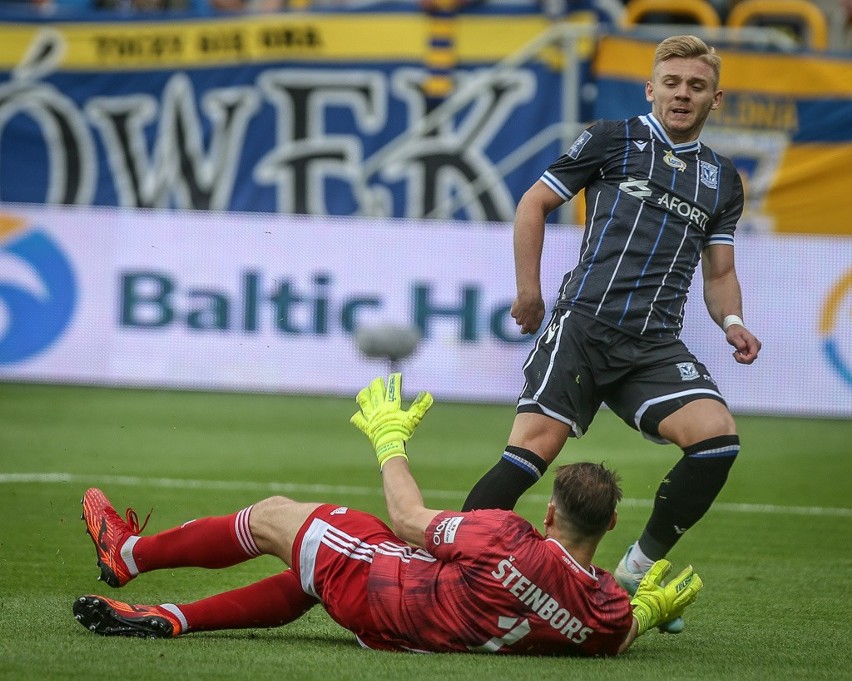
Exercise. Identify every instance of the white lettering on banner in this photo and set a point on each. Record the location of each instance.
(305, 154)
(187, 147)
(70, 148)
(245, 302)
(540, 602)
(439, 164)
(178, 171)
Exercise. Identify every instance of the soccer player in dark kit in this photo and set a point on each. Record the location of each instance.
(658, 200)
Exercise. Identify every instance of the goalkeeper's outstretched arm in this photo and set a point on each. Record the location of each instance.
(408, 516)
(389, 427)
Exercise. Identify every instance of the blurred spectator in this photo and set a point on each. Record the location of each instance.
(141, 5)
(50, 6)
(839, 16)
(257, 6)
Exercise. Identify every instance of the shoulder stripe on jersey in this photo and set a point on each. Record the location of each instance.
(551, 181)
(722, 239)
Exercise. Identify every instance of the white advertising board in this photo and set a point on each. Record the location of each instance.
(245, 302)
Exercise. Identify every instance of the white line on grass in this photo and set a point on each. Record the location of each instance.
(328, 491)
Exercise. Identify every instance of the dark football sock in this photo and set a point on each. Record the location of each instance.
(501, 487)
(687, 492)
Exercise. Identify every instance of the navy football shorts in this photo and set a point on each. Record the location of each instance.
(579, 363)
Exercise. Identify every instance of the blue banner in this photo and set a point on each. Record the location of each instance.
(289, 113)
(388, 114)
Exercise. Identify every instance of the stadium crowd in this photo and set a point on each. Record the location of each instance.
(834, 15)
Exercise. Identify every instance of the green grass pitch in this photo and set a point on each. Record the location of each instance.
(775, 552)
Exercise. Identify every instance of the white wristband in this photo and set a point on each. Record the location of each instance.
(731, 319)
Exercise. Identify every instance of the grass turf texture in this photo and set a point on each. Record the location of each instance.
(775, 552)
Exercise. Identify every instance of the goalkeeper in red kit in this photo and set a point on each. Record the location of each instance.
(440, 581)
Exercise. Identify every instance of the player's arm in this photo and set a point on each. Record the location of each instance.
(532, 211)
(389, 427)
(408, 516)
(632, 635)
(723, 298)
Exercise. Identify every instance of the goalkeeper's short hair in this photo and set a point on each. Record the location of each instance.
(586, 495)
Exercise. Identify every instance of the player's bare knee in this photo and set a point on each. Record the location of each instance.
(271, 507)
(720, 424)
(539, 434)
(697, 421)
(275, 522)
(266, 517)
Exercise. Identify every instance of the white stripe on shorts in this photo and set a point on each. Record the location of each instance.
(404, 553)
(321, 533)
(637, 419)
(550, 364)
(349, 546)
(578, 432)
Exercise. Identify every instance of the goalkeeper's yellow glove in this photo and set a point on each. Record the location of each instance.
(655, 603)
(382, 419)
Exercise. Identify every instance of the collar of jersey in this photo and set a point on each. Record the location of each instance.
(658, 131)
(557, 547)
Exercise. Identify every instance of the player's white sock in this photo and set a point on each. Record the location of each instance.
(637, 561)
(127, 554)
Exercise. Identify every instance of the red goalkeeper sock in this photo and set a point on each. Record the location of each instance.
(214, 542)
(270, 602)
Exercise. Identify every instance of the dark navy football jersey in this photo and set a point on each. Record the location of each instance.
(651, 208)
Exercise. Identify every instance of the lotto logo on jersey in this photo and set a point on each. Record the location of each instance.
(445, 532)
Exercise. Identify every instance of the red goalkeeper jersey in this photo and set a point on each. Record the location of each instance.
(489, 582)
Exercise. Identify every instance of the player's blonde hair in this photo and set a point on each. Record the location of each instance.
(688, 47)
